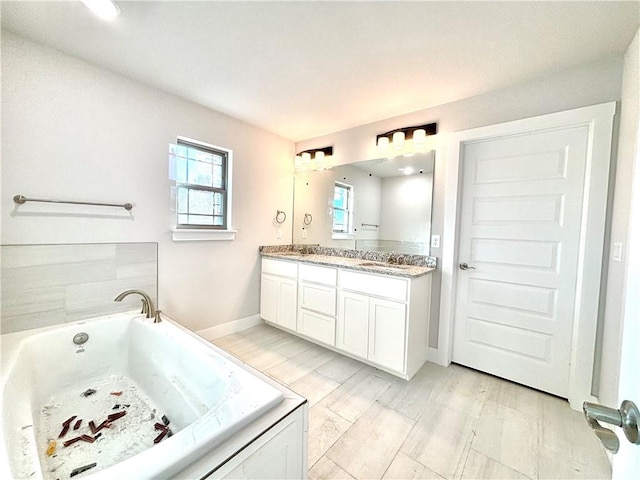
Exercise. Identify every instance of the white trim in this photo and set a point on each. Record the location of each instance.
(599, 119)
(229, 328)
(198, 235)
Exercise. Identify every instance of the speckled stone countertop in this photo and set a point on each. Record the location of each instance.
(385, 263)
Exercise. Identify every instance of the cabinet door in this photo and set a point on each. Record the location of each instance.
(269, 292)
(287, 303)
(387, 327)
(352, 324)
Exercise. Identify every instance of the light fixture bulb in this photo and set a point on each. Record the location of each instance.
(306, 158)
(383, 144)
(105, 9)
(319, 159)
(398, 140)
(419, 137)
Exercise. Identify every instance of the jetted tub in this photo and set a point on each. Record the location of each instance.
(162, 370)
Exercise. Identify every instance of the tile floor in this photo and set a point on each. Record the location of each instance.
(453, 422)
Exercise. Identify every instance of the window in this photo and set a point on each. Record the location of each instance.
(342, 208)
(202, 175)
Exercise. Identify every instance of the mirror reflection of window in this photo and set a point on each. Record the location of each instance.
(342, 208)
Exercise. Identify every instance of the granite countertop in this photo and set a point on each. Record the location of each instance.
(359, 264)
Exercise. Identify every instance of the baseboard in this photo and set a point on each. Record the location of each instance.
(228, 328)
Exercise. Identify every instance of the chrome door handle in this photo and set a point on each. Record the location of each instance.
(464, 266)
(627, 417)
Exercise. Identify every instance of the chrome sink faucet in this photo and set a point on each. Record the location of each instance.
(147, 304)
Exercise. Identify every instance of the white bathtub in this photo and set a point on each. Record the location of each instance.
(157, 366)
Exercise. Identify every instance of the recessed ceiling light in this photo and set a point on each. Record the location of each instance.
(105, 9)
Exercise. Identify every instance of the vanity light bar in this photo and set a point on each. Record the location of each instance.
(407, 132)
(327, 151)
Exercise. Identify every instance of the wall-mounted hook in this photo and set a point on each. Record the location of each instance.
(280, 215)
(307, 219)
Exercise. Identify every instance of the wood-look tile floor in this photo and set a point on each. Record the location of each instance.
(453, 422)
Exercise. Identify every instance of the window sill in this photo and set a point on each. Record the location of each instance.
(200, 235)
(343, 236)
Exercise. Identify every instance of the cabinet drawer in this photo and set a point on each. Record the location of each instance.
(278, 267)
(313, 273)
(387, 287)
(316, 326)
(317, 298)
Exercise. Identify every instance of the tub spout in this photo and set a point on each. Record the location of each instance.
(147, 303)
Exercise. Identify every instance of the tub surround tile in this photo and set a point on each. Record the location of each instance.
(367, 449)
(72, 282)
(133, 253)
(47, 299)
(18, 256)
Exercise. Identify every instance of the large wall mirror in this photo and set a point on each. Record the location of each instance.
(382, 205)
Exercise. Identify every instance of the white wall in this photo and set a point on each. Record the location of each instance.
(75, 131)
(616, 279)
(577, 87)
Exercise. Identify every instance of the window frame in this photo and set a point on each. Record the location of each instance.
(188, 232)
(335, 234)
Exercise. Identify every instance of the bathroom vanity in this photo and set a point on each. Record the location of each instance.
(374, 311)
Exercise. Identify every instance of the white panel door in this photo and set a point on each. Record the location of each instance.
(520, 234)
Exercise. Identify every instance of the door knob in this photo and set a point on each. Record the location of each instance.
(627, 417)
(464, 266)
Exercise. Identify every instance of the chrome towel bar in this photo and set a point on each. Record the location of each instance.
(20, 199)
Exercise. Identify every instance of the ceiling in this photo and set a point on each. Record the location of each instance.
(304, 69)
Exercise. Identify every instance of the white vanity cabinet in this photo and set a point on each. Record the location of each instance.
(279, 292)
(380, 319)
(317, 302)
(372, 318)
